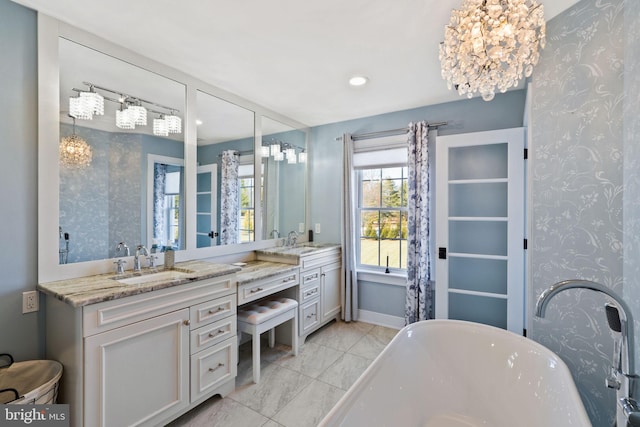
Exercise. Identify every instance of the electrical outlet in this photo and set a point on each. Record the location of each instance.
(301, 227)
(317, 228)
(29, 302)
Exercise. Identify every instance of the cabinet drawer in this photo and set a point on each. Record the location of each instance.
(255, 290)
(310, 292)
(310, 277)
(108, 315)
(211, 311)
(315, 261)
(309, 316)
(213, 367)
(208, 335)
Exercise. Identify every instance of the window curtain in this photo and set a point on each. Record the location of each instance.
(348, 231)
(419, 304)
(229, 198)
(159, 181)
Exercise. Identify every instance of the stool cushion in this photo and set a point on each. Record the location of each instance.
(263, 310)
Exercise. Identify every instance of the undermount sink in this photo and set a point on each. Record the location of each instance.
(158, 276)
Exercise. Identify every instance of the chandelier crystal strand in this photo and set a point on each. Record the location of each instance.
(490, 45)
(74, 151)
(174, 123)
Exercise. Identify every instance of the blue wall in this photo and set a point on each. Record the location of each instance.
(19, 334)
(505, 111)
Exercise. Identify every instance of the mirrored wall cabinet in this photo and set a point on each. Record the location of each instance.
(133, 153)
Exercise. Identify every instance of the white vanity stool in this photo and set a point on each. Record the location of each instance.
(265, 315)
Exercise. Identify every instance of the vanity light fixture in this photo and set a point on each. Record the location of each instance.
(358, 81)
(490, 45)
(275, 149)
(74, 151)
(131, 113)
(291, 156)
(264, 151)
(278, 157)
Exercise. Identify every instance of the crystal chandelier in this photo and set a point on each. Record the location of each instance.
(74, 151)
(490, 45)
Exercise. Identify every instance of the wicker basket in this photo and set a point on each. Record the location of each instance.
(30, 382)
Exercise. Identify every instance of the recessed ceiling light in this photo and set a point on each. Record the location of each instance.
(358, 80)
(198, 122)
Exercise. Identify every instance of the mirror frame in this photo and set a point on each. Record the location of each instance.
(49, 269)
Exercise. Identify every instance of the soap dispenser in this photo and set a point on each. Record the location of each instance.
(169, 256)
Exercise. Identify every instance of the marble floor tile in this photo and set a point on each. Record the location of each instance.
(312, 359)
(310, 406)
(220, 412)
(340, 335)
(271, 423)
(369, 346)
(345, 371)
(277, 387)
(384, 333)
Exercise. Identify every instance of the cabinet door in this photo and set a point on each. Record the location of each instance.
(480, 228)
(330, 292)
(138, 374)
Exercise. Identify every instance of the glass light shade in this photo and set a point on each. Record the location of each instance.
(302, 157)
(275, 149)
(490, 45)
(75, 152)
(138, 115)
(278, 157)
(78, 109)
(94, 102)
(174, 124)
(124, 120)
(264, 151)
(291, 156)
(160, 127)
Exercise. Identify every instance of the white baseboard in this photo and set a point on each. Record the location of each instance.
(380, 319)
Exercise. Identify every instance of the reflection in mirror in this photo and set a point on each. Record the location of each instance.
(226, 179)
(284, 161)
(123, 115)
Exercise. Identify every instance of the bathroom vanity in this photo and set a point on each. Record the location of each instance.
(143, 353)
(144, 348)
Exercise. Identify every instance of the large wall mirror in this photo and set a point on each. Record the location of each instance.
(201, 186)
(284, 164)
(225, 209)
(121, 171)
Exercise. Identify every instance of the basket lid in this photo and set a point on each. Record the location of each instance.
(28, 376)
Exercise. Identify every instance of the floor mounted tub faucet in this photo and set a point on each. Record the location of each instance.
(623, 377)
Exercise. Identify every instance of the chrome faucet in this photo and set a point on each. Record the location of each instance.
(275, 234)
(122, 246)
(623, 377)
(292, 238)
(140, 250)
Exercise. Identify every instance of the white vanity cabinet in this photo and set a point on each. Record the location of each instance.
(145, 359)
(320, 290)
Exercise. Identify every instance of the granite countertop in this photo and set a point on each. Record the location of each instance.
(302, 249)
(83, 291)
(257, 270)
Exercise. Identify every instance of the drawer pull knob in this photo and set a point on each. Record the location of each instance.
(220, 365)
(186, 322)
(309, 316)
(218, 332)
(288, 279)
(253, 291)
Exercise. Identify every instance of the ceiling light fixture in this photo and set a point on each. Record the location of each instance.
(358, 80)
(490, 45)
(74, 151)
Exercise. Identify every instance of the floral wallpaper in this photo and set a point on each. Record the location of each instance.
(577, 168)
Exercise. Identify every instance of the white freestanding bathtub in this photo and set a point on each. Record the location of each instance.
(448, 373)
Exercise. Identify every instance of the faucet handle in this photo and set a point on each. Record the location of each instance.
(120, 266)
(151, 259)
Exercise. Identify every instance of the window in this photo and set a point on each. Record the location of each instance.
(382, 216)
(246, 223)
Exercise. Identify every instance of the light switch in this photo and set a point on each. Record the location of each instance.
(317, 230)
(301, 227)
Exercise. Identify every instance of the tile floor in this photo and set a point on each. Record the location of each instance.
(294, 391)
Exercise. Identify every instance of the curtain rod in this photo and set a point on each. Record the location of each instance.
(390, 132)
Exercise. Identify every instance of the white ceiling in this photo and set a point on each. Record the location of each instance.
(291, 56)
